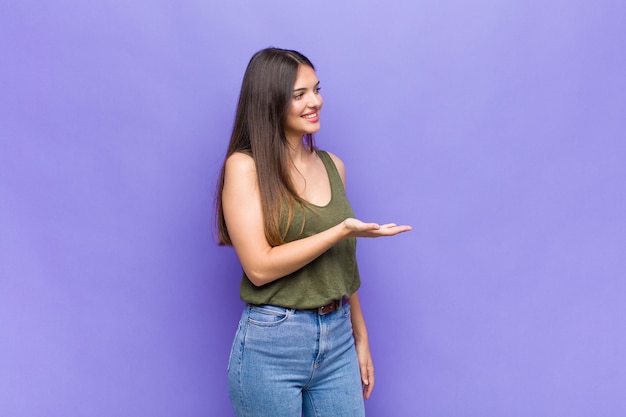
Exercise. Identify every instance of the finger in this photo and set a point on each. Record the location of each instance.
(388, 225)
(367, 391)
(391, 231)
(370, 226)
(369, 387)
(364, 375)
(394, 230)
(367, 378)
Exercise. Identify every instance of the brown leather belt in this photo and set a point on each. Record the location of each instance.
(328, 308)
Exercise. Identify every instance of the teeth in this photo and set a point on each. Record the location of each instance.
(310, 116)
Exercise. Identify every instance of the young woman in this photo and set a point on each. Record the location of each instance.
(302, 345)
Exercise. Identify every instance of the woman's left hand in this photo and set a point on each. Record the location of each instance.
(366, 366)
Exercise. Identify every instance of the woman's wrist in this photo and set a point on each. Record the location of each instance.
(342, 231)
(346, 230)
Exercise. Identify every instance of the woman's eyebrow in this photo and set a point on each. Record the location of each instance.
(304, 88)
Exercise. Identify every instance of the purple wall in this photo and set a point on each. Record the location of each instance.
(495, 128)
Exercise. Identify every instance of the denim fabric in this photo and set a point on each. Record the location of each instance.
(289, 363)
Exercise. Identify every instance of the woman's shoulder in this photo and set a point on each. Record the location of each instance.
(240, 162)
(240, 157)
(338, 164)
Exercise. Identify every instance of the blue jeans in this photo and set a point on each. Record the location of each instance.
(286, 363)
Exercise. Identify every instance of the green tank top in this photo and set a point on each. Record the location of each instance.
(332, 275)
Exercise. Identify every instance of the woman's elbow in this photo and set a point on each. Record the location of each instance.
(258, 278)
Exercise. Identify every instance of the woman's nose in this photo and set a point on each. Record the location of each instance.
(315, 100)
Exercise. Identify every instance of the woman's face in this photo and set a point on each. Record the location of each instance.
(306, 103)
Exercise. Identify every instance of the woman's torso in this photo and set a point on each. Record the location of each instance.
(332, 275)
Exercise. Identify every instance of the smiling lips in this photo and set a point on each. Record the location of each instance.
(312, 117)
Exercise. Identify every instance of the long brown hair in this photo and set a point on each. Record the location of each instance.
(264, 102)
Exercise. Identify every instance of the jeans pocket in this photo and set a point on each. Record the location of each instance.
(267, 315)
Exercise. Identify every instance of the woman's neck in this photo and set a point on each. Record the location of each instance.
(297, 150)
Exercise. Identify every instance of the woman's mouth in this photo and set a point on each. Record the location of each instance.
(312, 117)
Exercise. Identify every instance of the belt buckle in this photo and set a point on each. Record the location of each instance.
(329, 308)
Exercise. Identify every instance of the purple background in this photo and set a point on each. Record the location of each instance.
(495, 128)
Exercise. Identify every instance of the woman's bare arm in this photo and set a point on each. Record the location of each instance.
(361, 342)
(243, 214)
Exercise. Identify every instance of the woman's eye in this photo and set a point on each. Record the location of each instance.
(317, 89)
(298, 96)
